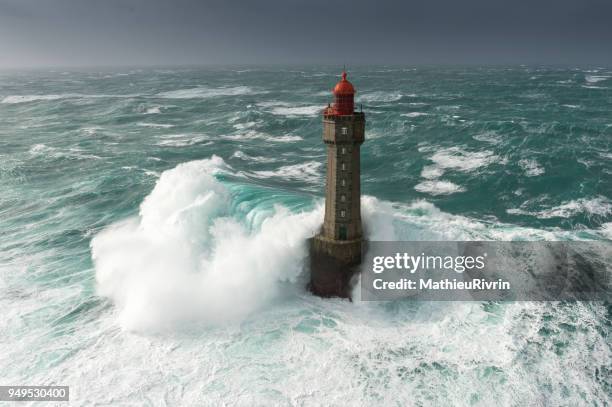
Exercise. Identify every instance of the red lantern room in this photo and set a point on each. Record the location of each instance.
(344, 97)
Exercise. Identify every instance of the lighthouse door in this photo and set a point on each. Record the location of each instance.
(342, 233)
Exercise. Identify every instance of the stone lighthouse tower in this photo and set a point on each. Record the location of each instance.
(336, 250)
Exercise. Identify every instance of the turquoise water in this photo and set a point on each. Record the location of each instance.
(152, 227)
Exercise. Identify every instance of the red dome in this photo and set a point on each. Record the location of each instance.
(344, 87)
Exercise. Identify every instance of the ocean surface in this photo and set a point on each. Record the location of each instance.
(153, 226)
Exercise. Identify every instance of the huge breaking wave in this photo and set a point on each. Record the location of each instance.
(189, 257)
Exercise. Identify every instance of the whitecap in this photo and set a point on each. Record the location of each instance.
(153, 110)
(425, 148)
(183, 143)
(309, 172)
(379, 96)
(248, 135)
(596, 78)
(531, 167)
(297, 111)
(150, 173)
(438, 187)
(598, 206)
(181, 140)
(204, 92)
(374, 134)
(280, 108)
(42, 150)
(274, 103)
(455, 158)
(414, 114)
(432, 172)
(14, 99)
(607, 156)
(255, 135)
(90, 131)
(156, 125)
(258, 159)
(247, 125)
(585, 162)
(491, 137)
(287, 138)
(448, 107)
(38, 149)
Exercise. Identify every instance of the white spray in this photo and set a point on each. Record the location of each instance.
(185, 258)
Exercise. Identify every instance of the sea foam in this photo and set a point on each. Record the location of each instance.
(308, 172)
(280, 108)
(205, 92)
(438, 187)
(531, 167)
(379, 96)
(256, 135)
(15, 99)
(182, 140)
(491, 137)
(596, 78)
(155, 125)
(453, 158)
(296, 111)
(414, 114)
(456, 158)
(589, 207)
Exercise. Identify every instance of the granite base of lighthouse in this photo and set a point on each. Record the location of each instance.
(333, 266)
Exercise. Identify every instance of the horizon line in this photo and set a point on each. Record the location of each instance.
(85, 67)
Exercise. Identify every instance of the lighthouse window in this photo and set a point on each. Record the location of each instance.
(342, 233)
(343, 198)
(344, 131)
(343, 182)
(342, 214)
(343, 150)
(343, 166)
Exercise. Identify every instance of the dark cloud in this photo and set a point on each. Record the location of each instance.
(134, 32)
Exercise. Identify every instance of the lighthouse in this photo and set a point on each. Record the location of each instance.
(335, 252)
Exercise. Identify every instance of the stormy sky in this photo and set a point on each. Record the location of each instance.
(39, 33)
